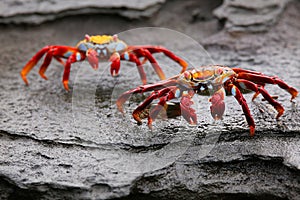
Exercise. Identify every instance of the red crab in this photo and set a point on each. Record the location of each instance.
(100, 48)
(216, 80)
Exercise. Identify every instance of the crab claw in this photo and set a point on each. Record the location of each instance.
(217, 108)
(115, 64)
(92, 57)
(187, 112)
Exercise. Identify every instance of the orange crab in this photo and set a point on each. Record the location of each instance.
(100, 48)
(216, 80)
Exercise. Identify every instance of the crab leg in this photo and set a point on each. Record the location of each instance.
(141, 89)
(159, 49)
(155, 65)
(148, 56)
(239, 70)
(60, 60)
(256, 78)
(75, 57)
(32, 62)
(57, 52)
(129, 56)
(245, 84)
(166, 94)
(46, 63)
(241, 100)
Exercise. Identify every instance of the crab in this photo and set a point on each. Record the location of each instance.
(100, 48)
(217, 80)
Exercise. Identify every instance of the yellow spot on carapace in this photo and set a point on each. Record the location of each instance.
(101, 39)
(202, 75)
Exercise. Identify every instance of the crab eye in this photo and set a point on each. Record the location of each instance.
(87, 37)
(187, 75)
(220, 71)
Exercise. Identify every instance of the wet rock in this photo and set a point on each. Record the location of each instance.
(36, 12)
(250, 16)
(237, 169)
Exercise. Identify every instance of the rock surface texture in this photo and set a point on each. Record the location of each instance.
(75, 145)
(36, 11)
(250, 16)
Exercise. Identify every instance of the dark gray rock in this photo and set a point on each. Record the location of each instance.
(250, 16)
(36, 11)
(75, 145)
